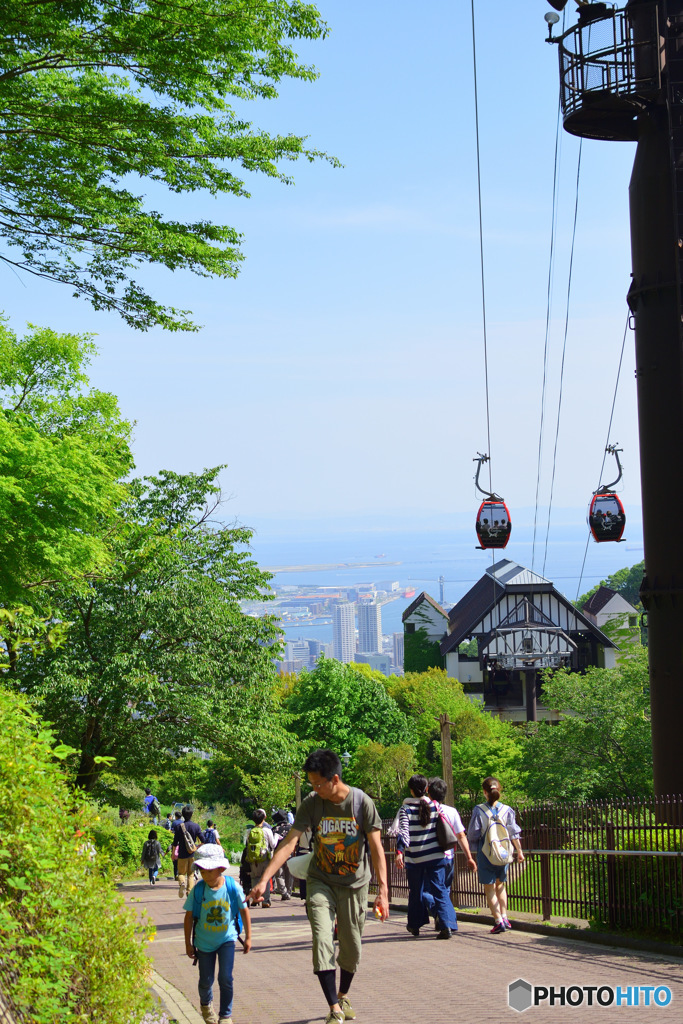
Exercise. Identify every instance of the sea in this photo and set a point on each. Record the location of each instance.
(416, 556)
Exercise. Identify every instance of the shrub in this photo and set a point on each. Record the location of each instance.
(70, 948)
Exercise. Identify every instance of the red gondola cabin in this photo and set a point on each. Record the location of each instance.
(493, 524)
(606, 517)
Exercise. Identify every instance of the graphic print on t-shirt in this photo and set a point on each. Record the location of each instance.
(338, 847)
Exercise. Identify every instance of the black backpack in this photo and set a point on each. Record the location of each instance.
(210, 836)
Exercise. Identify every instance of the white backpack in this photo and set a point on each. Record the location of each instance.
(497, 844)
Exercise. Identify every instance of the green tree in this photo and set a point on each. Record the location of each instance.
(382, 771)
(160, 657)
(64, 447)
(341, 706)
(602, 745)
(625, 581)
(97, 96)
(499, 753)
(423, 696)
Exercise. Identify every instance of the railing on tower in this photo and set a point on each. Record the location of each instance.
(610, 68)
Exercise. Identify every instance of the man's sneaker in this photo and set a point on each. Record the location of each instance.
(334, 1017)
(498, 928)
(207, 1013)
(286, 896)
(347, 1009)
(506, 923)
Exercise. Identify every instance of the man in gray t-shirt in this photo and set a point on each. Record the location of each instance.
(346, 828)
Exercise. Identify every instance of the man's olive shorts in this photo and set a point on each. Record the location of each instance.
(325, 903)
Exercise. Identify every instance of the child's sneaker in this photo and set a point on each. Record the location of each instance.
(207, 1013)
(498, 928)
(507, 923)
(347, 1009)
(334, 1017)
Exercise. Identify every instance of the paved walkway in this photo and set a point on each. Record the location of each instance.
(402, 979)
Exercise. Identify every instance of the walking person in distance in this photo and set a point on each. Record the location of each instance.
(494, 829)
(417, 846)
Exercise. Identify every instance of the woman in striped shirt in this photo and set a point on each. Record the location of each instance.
(425, 863)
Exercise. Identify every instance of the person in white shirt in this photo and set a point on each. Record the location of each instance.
(437, 791)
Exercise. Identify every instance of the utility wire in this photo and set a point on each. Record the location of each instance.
(564, 352)
(604, 454)
(481, 245)
(551, 267)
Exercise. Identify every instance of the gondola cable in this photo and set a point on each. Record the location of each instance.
(551, 268)
(604, 455)
(564, 352)
(481, 242)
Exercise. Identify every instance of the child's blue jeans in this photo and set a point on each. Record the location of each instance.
(153, 872)
(207, 969)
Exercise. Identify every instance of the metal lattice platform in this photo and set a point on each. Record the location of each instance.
(610, 70)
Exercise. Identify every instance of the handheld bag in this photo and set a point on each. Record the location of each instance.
(189, 841)
(445, 833)
(299, 865)
(497, 845)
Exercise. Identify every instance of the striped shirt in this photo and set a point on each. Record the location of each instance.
(418, 842)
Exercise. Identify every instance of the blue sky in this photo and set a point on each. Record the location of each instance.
(342, 373)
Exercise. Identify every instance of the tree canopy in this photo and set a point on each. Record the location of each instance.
(602, 746)
(342, 706)
(625, 581)
(63, 450)
(160, 658)
(99, 96)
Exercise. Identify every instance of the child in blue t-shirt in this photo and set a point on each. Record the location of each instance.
(216, 907)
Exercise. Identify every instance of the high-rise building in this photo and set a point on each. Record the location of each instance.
(370, 627)
(344, 632)
(398, 650)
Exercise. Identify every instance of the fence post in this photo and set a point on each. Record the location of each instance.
(390, 864)
(612, 894)
(546, 881)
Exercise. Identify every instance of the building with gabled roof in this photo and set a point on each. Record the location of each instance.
(424, 625)
(521, 624)
(607, 607)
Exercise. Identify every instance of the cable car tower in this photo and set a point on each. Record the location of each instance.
(621, 78)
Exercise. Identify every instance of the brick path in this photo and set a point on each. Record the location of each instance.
(402, 979)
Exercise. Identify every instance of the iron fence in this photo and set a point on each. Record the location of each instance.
(616, 863)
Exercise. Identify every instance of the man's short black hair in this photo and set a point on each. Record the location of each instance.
(188, 811)
(324, 762)
(437, 789)
(148, 792)
(259, 816)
